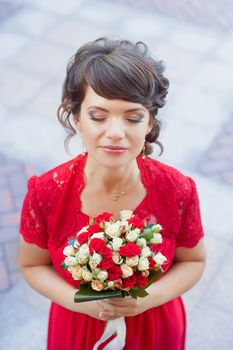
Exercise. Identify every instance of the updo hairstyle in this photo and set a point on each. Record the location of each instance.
(115, 69)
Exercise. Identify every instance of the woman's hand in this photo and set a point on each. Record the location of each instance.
(113, 308)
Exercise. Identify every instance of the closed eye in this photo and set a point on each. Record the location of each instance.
(96, 119)
(139, 120)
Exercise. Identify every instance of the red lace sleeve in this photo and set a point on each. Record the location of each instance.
(191, 228)
(32, 223)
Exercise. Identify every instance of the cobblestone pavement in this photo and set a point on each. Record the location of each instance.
(195, 39)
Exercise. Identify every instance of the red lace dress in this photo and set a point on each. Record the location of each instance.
(52, 214)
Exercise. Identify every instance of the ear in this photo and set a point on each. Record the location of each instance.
(77, 122)
(150, 125)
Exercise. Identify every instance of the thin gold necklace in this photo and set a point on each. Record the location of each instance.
(119, 194)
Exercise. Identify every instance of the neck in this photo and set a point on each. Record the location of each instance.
(110, 180)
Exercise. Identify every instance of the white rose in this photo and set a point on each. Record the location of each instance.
(156, 239)
(124, 226)
(102, 275)
(132, 235)
(77, 272)
(117, 243)
(84, 250)
(92, 265)
(117, 258)
(83, 254)
(111, 284)
(126, 214)
(143, 264)
(98, 235)
(84, 229)
(113, 230)
(76, 244)
(157, 228)
(97, 285)
(133, 261)
(145, 252)
(86, 275)
(69, 250)
(159, 258)
(70, 261)
(126, 270)
(96, 258)
(141, 242)
(83, 260)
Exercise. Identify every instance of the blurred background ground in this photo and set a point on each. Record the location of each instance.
(195, 39)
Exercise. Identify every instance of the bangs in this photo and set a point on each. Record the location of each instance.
(120, 78)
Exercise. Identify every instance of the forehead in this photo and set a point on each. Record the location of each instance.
(93, 99)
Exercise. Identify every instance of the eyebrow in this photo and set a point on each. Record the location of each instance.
(128, 110)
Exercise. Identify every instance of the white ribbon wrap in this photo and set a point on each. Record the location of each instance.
(117, 327)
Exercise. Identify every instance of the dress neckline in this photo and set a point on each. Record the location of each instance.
(144, 180)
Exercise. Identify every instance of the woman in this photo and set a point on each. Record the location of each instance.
(111, 95)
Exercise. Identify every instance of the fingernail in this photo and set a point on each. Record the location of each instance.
(100, 314)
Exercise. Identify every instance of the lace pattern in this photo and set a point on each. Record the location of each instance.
(51, 208)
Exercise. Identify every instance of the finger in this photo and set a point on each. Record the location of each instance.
(121, 302)
(105, 316)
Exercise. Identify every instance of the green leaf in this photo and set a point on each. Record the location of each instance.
(138, 292)
(154, 276)
(64, 266)
(86, 293)
(147, 234)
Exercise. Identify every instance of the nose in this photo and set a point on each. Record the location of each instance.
(115, 129)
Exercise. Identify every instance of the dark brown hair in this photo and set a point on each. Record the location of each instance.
(115, 69)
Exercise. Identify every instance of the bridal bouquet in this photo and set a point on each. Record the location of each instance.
(114, 258)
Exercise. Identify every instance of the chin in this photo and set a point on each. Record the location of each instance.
(111, 161)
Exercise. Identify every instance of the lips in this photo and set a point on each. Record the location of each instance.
(114, 148)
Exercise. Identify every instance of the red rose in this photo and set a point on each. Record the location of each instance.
(96, 245)
(151, 263)
(94, 228)
(141, 280)
(136, 223)
(155, 248)
(129, 282)
(103, 217)
(118, 283)
(106, 252)
(106, 263)
(114, 273)
(130, 249)
(83, 237)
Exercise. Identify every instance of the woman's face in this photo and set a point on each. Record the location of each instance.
(113, 131)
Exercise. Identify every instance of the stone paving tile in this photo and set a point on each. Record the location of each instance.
(210, 328)
(216, 252)
(215, 76)
(63, 34)
(15, 177)
(33, 129)
(30, 22)
(20, 84)
(23, 327)
(11, 253)
(11, 44)
(8, 8)
(222, 284)
(5, 282)
(217, 161)
(41, 58)
(216, 14)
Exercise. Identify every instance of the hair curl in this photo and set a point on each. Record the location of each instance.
(115, 69)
